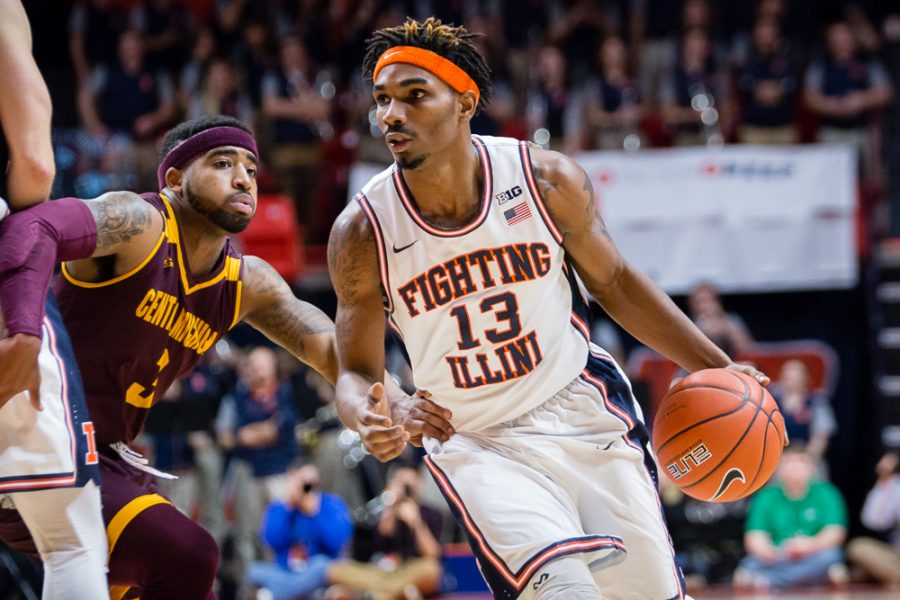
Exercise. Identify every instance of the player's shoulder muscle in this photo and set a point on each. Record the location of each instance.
(353, 256)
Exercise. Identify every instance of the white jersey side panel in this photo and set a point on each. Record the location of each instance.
(39, 443)
(486, 310)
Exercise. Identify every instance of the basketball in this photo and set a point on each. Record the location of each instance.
(718, 435)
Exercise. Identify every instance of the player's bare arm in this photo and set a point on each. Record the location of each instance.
(630, 297)
(360, 327)
(268, 304)
(123, 228)
(127, 230)
(25, 111)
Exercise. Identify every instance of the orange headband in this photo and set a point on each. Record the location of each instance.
(448, 72)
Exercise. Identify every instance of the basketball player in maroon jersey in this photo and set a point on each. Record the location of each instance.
(150, 283)
(46, 470)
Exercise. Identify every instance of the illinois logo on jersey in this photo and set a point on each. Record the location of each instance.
(90, 457)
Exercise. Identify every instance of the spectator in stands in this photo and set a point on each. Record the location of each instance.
(256, 423)
(297, 102)
(881, 513)
(655, 26)
(167, 27)
(693, 96)
(612, 104)
(500, 116)
(847, 91)
(727, 330)
(766, 87)
(191, 77)
(408, 551)
(794, 530)
(574, 27)
(94, 30)
(254, 58)
(808, 417)
(307, 532)
(552, 115)
(128, 101)
(127, 96)
(220, 94)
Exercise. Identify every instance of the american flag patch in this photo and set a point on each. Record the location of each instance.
(517, 213)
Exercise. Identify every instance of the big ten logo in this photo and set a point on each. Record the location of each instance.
(696, 456)
(508, 195)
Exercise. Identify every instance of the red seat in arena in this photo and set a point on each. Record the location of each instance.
(274, 236)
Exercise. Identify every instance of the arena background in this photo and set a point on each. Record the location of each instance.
(529, 43)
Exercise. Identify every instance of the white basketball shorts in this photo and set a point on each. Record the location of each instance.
(572, 477)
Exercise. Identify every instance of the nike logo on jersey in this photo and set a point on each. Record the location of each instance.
(402, 248)
(730, 477)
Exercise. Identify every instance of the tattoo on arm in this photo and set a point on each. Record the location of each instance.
(279, 314)
(593, 217)
(120, 218)
(545, 185)
(351, 253)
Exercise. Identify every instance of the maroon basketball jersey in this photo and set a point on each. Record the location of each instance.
(135, 334)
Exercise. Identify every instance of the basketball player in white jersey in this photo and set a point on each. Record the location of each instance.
(46, 440)
(471, 245)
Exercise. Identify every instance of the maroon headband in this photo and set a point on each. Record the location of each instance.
(202, 142)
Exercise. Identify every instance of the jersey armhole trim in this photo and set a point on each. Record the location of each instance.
(383, 275)
(87, 284)
(237, 304)
(525, 158)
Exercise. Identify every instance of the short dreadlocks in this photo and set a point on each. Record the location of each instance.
(445, 40)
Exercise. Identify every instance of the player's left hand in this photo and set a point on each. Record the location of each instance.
(19, 368)
(750, 370)
(420, 417)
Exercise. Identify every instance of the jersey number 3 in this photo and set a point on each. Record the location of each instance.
(138, 395)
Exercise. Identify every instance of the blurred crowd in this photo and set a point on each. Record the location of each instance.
(297, 505)
(572, 75)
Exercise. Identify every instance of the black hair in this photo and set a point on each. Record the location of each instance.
(188, 129)
(453, 43)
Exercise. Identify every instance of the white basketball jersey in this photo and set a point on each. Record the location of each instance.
(486, 311)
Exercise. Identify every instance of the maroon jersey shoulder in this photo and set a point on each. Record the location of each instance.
(135, 334)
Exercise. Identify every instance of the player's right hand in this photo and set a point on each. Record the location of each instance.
(19, 368)
(384, 440)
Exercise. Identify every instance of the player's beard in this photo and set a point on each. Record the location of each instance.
(217, 215)
(408, 164)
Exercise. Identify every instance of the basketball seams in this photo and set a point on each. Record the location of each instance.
(703, 422)
(730, 452)
(765, 446)
(745, 398)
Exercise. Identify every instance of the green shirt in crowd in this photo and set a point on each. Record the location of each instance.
(781, 517)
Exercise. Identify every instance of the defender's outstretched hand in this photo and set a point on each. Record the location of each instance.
(19, 368)
(384, 440)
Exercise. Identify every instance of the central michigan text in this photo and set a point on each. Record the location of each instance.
(466, 273)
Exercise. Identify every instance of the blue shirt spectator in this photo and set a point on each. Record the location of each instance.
(306, 532)
(294, 535)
